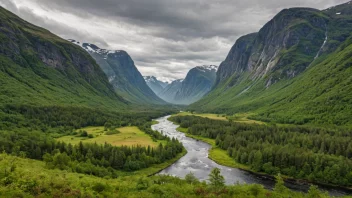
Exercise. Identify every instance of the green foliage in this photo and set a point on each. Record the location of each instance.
(98, 187)
(39, 68)
(191, 179)
(320, 95)
(84, 134)
(216, 179)
(314, 154)
(280, 185)
(31, 178)
(112, 132)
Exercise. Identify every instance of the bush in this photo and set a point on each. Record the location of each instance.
(98, 187)
(112, 132)
(84, 134)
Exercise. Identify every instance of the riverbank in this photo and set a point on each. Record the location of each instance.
(222, 158)
(216, 154)
(154, 169)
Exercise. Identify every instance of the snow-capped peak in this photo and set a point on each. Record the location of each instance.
(156, 79)
(208, 67)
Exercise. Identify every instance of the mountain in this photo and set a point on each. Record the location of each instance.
(169, 92)
(39, 68)
(156, 85)
(294, 70)
(197, 83)
(122, 74)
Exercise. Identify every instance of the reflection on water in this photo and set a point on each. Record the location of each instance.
(197, 162)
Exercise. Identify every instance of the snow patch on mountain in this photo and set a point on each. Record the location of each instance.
(94, 49)
(208, 67)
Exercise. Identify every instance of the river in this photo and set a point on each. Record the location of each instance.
(196, 161)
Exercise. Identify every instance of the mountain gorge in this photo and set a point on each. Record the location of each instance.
(290, 70)
(122, 74)
(197, 83)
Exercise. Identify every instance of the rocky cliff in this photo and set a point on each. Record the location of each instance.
(197, 83)
(156, 85)
(291, 62)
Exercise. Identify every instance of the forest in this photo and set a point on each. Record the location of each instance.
(29, 132)
(301, 152)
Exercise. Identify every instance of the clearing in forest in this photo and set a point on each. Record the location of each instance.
(127, 136)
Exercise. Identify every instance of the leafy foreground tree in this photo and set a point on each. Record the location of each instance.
(216, 179)
(191, 179)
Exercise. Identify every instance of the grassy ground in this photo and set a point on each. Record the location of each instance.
(128, 136)
(155, 122)
(204, 115)
(241, 118)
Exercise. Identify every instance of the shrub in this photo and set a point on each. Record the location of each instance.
(112, 132)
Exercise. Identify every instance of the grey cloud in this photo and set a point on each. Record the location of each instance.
(62, 30)
(164, 37)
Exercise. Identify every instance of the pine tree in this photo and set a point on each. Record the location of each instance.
(216, 179)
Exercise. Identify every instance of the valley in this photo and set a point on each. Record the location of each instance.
(113, 101)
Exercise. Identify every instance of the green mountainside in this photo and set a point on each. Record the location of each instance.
(39, 68)
(297, 69)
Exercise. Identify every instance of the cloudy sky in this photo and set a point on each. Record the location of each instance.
(164, 37)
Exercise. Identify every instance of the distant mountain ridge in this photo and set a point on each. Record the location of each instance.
(156, 85)
(197, 83)
(122, 74)
(169, 92)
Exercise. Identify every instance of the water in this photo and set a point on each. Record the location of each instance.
(197, 162)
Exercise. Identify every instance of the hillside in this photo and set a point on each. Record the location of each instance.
(296, 69)
(122, 74)
(39, 68)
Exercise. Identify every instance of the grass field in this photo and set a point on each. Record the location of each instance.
(204, 115)
(128, 136)
(241, 118)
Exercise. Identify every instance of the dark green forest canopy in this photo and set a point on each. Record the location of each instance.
(316, 154)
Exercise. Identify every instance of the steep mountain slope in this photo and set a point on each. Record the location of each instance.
(290, 70)
(156, 85)
(39, 68)
(197, 83)
(169, 92)
(122, 74)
